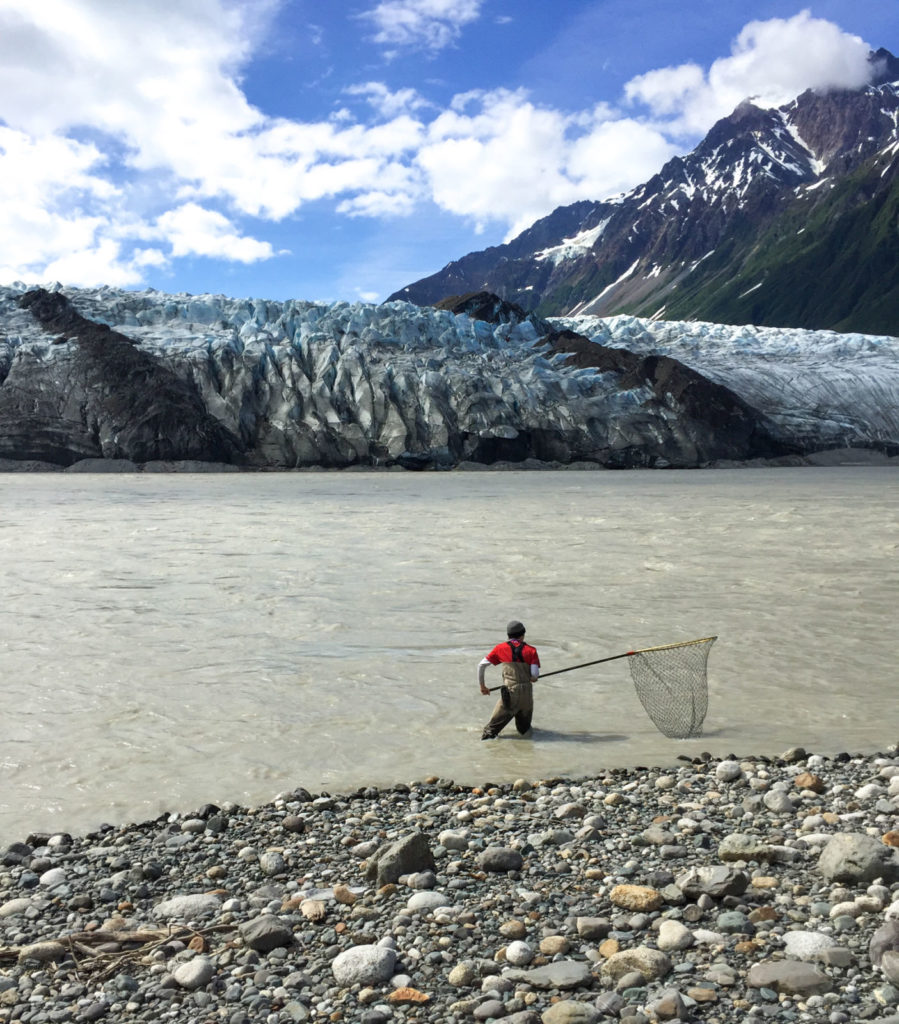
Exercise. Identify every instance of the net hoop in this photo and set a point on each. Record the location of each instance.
(684, 643)
(673, 693)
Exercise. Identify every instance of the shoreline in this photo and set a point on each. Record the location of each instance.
(717, 890)
(826, 458)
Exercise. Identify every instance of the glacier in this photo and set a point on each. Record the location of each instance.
(820, 388)
(144, 376)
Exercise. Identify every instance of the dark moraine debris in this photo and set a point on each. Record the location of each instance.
(105, 399)
(706, 421)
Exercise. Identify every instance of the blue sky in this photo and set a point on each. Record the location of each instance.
(327, 150)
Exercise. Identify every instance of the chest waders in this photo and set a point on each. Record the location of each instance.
(516, 695)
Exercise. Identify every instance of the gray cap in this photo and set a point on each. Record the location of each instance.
(515, 628)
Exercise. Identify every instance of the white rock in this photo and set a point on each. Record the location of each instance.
(186, 908)
(427, 900)
(807, 945)
(674, 935)
(728, 771)
(195, 973)
(846, 910)
(870, 792)
(15, 906)
(817, 838)
(519, 953)
(454, 840)
(870, 904)
(55, 876)
(777, 800)
(363, 965)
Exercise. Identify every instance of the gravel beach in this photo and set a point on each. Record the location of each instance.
(735, 890)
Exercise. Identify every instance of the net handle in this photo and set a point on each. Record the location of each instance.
(628, 654)
(559, 671)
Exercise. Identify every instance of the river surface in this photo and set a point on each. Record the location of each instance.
(172, 640)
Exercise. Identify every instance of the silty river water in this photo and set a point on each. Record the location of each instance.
(168, 640)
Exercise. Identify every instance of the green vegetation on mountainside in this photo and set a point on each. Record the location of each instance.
(832, 265)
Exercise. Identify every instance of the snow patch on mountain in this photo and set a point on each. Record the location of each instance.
(574, 247)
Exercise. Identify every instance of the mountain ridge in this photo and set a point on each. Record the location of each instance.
(691, 241)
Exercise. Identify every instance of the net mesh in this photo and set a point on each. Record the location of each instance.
(672, 685)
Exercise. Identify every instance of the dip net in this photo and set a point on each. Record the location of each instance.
(672, 684)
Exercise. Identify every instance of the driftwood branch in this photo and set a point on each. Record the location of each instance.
(103, 964)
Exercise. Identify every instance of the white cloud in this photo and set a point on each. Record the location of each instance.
(421, 24)
(191, 230)
(386, 103)
(771, 62)
(511, 161)
(104, 262)
(51, 203)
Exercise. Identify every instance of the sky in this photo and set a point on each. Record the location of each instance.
(341, 149)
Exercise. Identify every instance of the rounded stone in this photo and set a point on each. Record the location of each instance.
(363, 965)
(636, 897)
(500, 858)
(567, 1011)
(674, 936)
(427, 900)
(186, 908)
(728, 771)
(513, 929)
(194, 974)
(462, 975)
(519, 954)
(272, 863)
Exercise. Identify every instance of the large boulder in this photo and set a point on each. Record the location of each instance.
(561, 975)
(651, 963)
(265, 933)
(857, 857)
(790, 977)
(884, 940)
(405, 856)
(715, 880)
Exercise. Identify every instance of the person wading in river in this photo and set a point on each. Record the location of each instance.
(521, 666)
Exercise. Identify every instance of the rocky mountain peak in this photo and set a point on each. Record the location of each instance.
(750, 227)
(885, 67)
